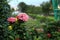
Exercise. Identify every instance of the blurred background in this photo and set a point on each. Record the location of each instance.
(42, 23)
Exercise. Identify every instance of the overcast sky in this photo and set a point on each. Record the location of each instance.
(14, 3)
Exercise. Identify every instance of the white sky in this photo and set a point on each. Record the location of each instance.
(14, 3)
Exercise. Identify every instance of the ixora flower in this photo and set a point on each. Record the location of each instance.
(12, 19)
(17, 39)
(49, 35)
(23, 17)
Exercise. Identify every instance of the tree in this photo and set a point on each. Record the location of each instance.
(46, 8)
(22, 6)
(5, 12)
(29, 8)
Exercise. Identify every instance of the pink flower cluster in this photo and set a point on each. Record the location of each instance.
(11, 19)
(22, 16)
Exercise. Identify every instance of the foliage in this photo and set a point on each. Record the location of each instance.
(41, 18)
(34, 9)
(16, 28)
(22, 7)
(46, 7)
(29, 8)
(53, 29)
(5, 12)
(38, 27)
